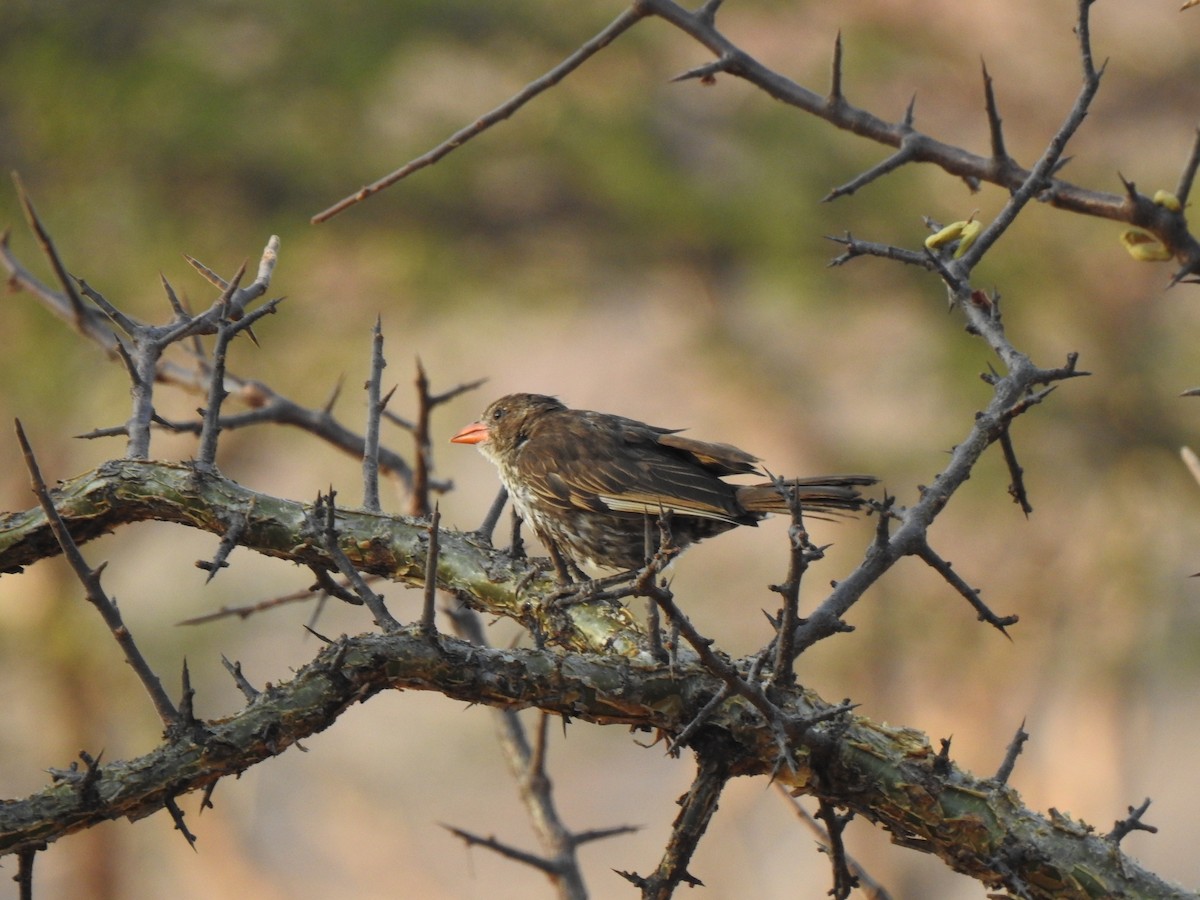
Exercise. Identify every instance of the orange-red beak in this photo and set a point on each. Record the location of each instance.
(475, 433)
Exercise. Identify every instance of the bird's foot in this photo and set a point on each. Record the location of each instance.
(584, 589)
(573, 593)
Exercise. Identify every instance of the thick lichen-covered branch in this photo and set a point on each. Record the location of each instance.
(890, 775)
(395, 547)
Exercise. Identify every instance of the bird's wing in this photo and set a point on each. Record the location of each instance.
(600, 467)
(721, 459)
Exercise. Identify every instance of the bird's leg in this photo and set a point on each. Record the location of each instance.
(650, 547)
(576, 586)
(649, 538)
(573, 585)
(565, 570)
(488, 526)
(516, 544)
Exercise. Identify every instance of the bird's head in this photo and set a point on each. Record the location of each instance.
(505, 424)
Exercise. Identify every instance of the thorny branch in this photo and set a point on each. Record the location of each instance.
(527, 763)
(96, 595)
(266, 405)
(1132, 822)
(871, 888)
(375, 406)
(982, 312)
(395, 547)
(697, 807)
(323, 524)
(876, 768)
(801, 553)
(325, 585)
(427, 402)
(844, 879)
(1015, 746)
(794, 744)
(589, 49)
(1013, 392)
(431, 569)
(1167, 225)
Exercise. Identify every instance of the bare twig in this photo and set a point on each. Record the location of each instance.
(856, 248)
(423, 446)
(239, 298)
(619, 25)
(1039, 177)
(249, 691)
(268, 406)
(227, 330)
(911, 145)
(801, 552)
(271, 407)
(680, 740)
(127, 324)
(946, 570)
(844, 879)
(868, 885)
(374, 414)
(1015, 746)
(1012, 394)
(1016, 487)
(431, 564)
(995, 123)
(697, 808)
(177, 816)
(907, 153)
(229, 540)
(324, 584)
(340, 590)
(1188, 176)
(506, 850)
(1132, 822)
(47, 244)
(24, 876)
(324, 513)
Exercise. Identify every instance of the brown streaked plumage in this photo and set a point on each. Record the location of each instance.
(585, 481)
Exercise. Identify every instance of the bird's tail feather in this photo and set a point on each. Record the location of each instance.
(822, 493)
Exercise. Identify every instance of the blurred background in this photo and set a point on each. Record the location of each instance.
(636, 246)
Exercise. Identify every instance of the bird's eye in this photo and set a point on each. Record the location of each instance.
(497, 414)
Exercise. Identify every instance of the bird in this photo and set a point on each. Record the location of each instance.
(586, 481)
